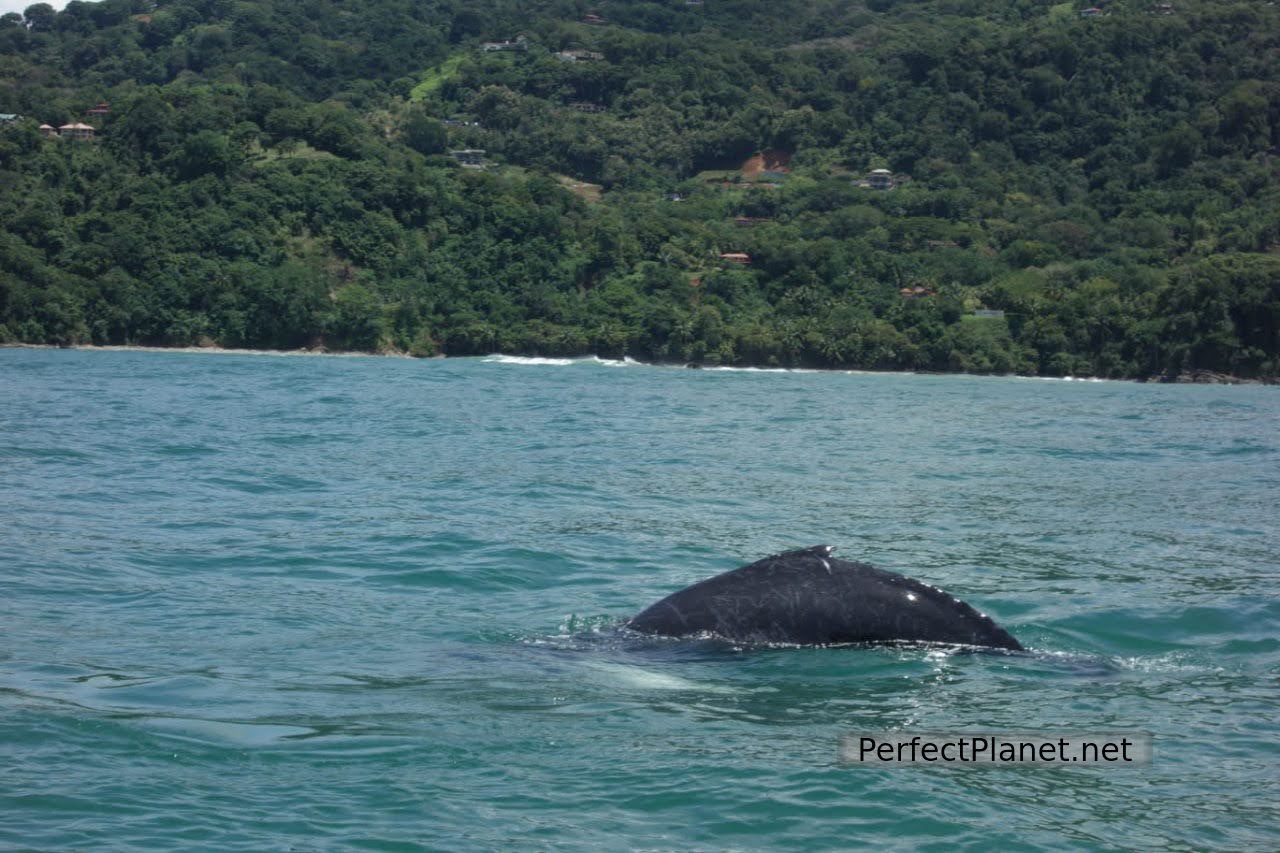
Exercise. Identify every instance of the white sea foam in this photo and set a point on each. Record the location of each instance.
(542, 361)
(823, 370)
(1168, 662)
(727, 369)
(1065, 378)
(498, 358)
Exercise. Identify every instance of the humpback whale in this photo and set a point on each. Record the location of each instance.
(807, 597)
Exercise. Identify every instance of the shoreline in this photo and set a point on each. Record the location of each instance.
(1191, 377)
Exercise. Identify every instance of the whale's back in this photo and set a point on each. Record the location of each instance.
(808, 597)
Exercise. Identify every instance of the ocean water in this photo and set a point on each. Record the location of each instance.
(256, 602)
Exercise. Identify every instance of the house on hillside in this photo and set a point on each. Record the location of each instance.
(100, 109)
(587, 107)
(579, 56)
(10, 118)
(469, 158)
(736, 258)
(593, 18)
(880, 179)
(1092, 12)
(77, 131)
(48, 131)
(519, 43)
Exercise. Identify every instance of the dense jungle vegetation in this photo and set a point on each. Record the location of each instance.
(277, 174)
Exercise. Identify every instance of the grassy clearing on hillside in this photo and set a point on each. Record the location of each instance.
(298, 151)
(1062, 11)
(436, 77)
(992, 324)
(588, 192)
(709, 175)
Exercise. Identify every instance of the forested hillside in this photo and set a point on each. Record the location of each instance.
(977, 185)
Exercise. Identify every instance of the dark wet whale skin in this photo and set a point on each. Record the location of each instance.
(808, 597)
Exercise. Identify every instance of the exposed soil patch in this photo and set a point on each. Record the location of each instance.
(772, 160)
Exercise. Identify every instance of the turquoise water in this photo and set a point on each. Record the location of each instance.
(264, 602)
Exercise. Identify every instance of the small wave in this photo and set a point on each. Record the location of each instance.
(826, 371)
(186, 450)
(1177, 662)
(527, 359)
(544, 361)
(1241, 449)
(727, 369)
(241, 734)
(42, 453)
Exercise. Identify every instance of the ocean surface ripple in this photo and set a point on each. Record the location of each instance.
(253, 602)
